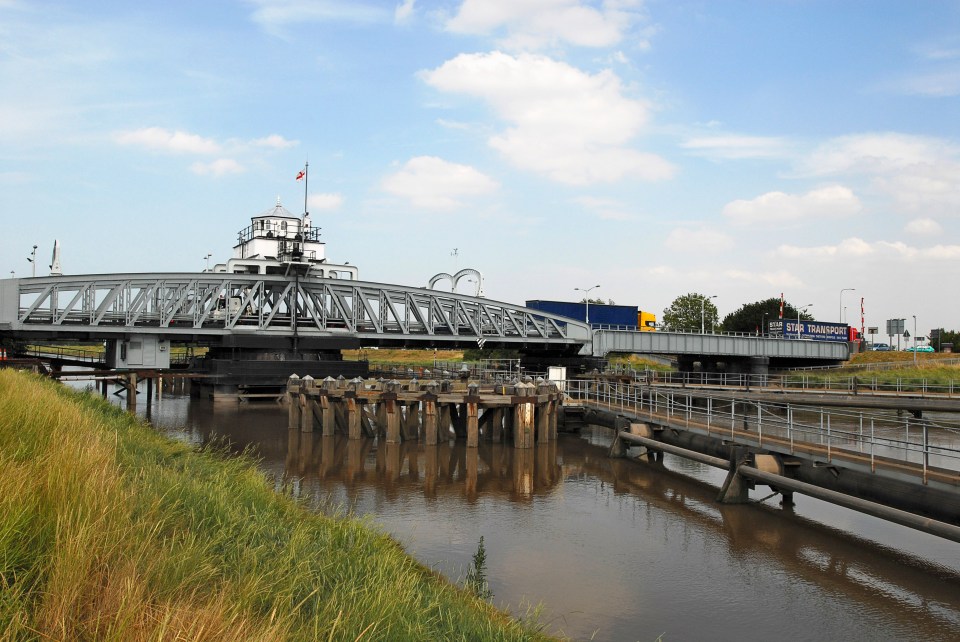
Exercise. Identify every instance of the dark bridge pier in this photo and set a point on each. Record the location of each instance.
(432, 411)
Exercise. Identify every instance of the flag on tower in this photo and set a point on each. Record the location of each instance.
(301, 175)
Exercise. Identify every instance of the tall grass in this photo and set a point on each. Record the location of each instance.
(109, 531)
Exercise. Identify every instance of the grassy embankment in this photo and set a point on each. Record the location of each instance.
(109, 531)
(929, 371)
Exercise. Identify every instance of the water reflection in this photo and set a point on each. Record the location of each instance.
(613, 548)
(411, 467)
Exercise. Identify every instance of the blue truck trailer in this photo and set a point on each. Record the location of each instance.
(601, 314)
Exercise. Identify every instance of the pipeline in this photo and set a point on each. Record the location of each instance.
(709, 460)
(779, 482)
(925, 524)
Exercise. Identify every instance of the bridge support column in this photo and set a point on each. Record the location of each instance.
(131, 385)
(735, 489)
(473, 428)
(430, 419)
(542, 418)
(554, 408)
(472, 412)
(411, 421)
(328, 417)
(495, 426)
(353, 416)
(443, 422)
(306, 412)
(523, 414)
(293, 396)
(391, 417)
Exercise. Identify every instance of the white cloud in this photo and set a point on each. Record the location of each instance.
(434, 183)
(536, 24)
(403, 11)
(735, 147)
(274, 14)
(219, 167)
(775, 278)
(274, 141)
(878, 153)
(697, 241)
(568, 125)
(920, 174)
(939, 84)
(856, 248)
(159, 139)
(605, 208)
(778, 208)
(325, 201)
(923, 227)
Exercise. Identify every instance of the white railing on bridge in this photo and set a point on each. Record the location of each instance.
(924, 442)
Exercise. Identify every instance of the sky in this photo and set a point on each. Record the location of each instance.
(654, 148)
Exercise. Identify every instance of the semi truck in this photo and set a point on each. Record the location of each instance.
(626, 317)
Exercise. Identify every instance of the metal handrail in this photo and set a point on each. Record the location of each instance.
(875, 435)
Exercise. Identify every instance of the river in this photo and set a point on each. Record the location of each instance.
(610, 549)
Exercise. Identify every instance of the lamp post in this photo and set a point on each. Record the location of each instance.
(841, 301)
(586, 292)
(33, 261)
(914, 341)
(703, 305)
(763, 322)
(803, 309)
(207, 259)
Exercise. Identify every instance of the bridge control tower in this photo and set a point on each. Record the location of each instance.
(278, 242)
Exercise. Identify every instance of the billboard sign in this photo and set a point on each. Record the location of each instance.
(810, 330)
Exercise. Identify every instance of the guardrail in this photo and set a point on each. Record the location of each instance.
(854, 384)
(922, 442)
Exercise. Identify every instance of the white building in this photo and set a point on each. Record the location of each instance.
(278, 242)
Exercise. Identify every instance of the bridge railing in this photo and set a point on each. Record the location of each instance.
(802, 382)
(873, 435)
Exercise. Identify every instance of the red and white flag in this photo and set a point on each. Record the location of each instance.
(781, 305)
(301, 175)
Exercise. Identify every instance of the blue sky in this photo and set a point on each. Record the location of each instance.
(738, 149)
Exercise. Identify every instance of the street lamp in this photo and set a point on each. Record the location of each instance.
(207, 259)
(914, 341)
(841, 299)
(703, 304)
(764, 323)
(803, 309)
(33, 261)
(586, 292)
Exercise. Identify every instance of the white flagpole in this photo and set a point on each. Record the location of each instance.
(306, 180)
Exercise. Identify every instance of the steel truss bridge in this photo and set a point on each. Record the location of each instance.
(316, 312)
(313, 313)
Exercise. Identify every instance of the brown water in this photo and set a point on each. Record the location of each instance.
(613, 549)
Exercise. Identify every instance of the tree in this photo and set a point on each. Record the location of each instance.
(597, 301)
(754, 317)
(684, 314)
(946, 336)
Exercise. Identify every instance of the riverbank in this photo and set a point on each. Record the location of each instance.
(110, 531)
